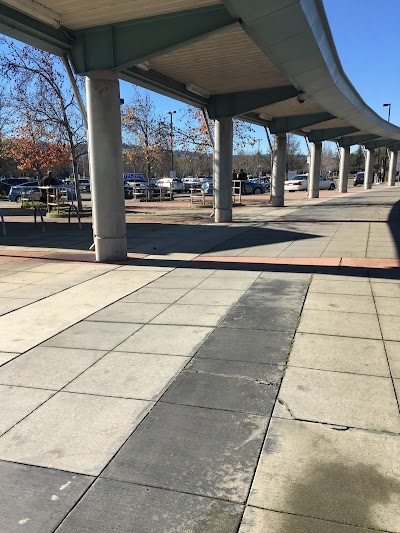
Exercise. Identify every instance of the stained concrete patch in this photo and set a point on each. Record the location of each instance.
(190, 449)
(341, 324)
(270, 318)
(73, 432)
(129, 375)
(140, 509)
(94, 335)
(250, 345)
(341, 354)
(163, 339)
(36, 500)
(200, 315)
(48, 367)
(337, 398)
(216, 391)
(263, 521)
(313, 470)
(18, 402)
(254, 371)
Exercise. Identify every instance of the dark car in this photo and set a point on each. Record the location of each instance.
(359, 179)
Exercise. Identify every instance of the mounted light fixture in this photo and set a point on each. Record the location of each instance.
(301, 97)
(36, 11)
(195, 89)
(143, 66)
(263, 116)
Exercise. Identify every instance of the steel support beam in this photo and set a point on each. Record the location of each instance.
(117, 46)
(233, 104)
(379, 143)
(292, 123)
(19, 26)
(329, 133)
(356, 139)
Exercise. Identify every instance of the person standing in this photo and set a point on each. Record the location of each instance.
(242, 177)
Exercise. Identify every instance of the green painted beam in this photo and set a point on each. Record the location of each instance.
(119, 46)
(19, 26)
(352, 140)
(295, 122)
(329, 133)
(234, 104)
(379, 143)
(157, 82)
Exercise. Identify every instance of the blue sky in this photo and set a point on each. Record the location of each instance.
(367, 38)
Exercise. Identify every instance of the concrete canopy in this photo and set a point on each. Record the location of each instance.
(247, 59)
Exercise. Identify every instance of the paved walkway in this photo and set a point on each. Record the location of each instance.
(239, 378)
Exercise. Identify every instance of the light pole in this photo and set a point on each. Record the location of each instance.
(170, 113)
(389, 106)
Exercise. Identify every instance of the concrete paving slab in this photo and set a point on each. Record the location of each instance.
(339, 354)
(194, 450)
(200, 315)
(211, 297)
(129, 375)
(18, 402)
(166, 339)
(8, 287)
(216, 391)
(37, 499)
(269, 318)
(390, 327)
(254, 371)
(139, 313)
(348, 303)
(93, 335)
(55, 267)
(159, 296)
(47, 367)
(339, 275)
(26, 276)
(202, 273)
(340, 287)
(7, 356)
(366, 402)
(175, 282)
(387, 289)
(236, 273)
(7, 305)
(36, 292)
(393, 353)
(340, 323)
(313, 470)
(226, 283)
(109, 503)
(74, 432)
(230, 344)
(263, 521)
(387, 306)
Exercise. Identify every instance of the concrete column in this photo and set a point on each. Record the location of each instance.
(369, 168)
(279, 171)
(392, 167)
(344, 168)
(315, 170)
(223, 148)
(106, 168)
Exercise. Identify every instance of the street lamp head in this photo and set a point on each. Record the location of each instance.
(170, 112)
(385, 105)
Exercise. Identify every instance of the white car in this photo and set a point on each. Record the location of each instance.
(172, 184)
(300, 183)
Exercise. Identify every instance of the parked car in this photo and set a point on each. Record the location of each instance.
(172, 184)
(32, 187)
(300, 183)
(84, 185)
(253, 187)
(191, 182)
(359, 179)
(6, 184)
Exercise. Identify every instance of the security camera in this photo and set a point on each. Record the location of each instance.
(301, 97)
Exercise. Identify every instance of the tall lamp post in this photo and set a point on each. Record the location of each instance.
(170, 113)
(389, 106)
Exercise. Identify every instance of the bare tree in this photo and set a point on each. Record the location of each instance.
(329, 159)
(41, 92)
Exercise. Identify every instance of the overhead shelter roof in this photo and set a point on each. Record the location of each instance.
(246, 59)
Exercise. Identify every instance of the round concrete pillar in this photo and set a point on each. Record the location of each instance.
(279, 171)
(106, 168)
(223, 147)
(344, 168)
(369, 168)
(315, 170)
(392, 168)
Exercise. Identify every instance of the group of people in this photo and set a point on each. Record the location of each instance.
(242, 177)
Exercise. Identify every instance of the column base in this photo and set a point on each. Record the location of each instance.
(112, 249)
(368, 186)
(390, 184)
(222, 215)
(313, 194)
(277, 201)
(342, 189)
